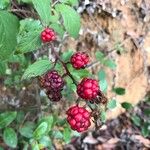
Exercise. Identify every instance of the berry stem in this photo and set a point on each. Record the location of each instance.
(63, 63)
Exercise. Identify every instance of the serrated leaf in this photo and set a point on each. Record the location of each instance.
(10, 137)
(8, 34)
(27, 130)
(71, 19)
(58, 29)
(44, 10)
(55, 16)
(30, 42)
(40, 130)
(6, 118)
(37, 69)
(29, 35)
(127, 105)
(111, 104)
(136, 120)
(119, 90)
(110, 63)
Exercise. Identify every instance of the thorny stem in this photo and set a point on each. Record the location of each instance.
(63, 63)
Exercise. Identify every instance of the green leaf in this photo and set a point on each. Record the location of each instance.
(4, 4)
(145, 129)
(71, 19)
(45, 141)
(79, 74)
(40, 130)
(10, 137)
(103, 116)
(58, 29)
(67, 55)
(1, 148)
(8, 34)
(71, 2)
(67, 135)
(127, 105)
(102, 83)
(111, 104)
(50, 120)
(27, 130)
(20, 116)
(6, 118)
(44, 10)
(29, 35)
(147, 111)
(119, 90)
(34, 144)
(110, 63)
(99, 55)
(30, 42)
(2, 68)
(101, 75)
(136, 120)
(36, 69)
(57, 134)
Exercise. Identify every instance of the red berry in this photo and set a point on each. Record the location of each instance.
(79, 60)
(78, 118)
(88, 89)
(48, 35)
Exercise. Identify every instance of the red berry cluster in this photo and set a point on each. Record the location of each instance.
(48, 35)
(54, 84)
(78, 118)
(79, 60)
(88, 89)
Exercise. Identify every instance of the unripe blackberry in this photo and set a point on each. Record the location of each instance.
(52, 81)
(78, 118)
(88, 89)
(79, 60)
(48, 35)
(54, 96)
